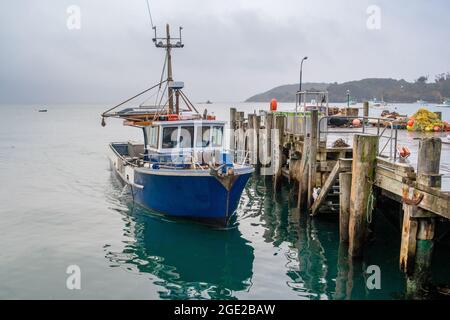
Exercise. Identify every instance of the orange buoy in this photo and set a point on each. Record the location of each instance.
(356, 122)
(273, 105)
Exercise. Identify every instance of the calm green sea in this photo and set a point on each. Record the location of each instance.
(61, 206)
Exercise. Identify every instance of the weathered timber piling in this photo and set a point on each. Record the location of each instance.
(266, 154)
(303, 174)
(252, 141)
(365, 149)
(365, 110)
(418, 238)
(232, 129)
(257, 128)
(278, 151)
(345, 182)
(313, 141)
(428, 162)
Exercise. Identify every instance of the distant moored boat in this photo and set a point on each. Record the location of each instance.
(445, 104)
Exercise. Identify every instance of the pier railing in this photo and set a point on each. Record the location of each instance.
(386, 130)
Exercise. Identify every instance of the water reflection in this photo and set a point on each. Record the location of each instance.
(317, 265)
(299, 256)
(186, 260)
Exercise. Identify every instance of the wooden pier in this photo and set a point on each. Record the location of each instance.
(293, 147)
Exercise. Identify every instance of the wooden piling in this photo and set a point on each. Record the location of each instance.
(365, 150)
(408, 241)
(312, 156)
(345, 183)
(257, 127)
(250, 134)
(419, 262)
(266, 156)
(278, 151)
(428, 162)
(232, 132)
(269, 127)
(303, 175)
(365, 110)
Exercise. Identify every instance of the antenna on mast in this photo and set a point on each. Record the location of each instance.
(168, 43)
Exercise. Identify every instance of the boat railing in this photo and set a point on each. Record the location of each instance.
(387, 130)
(182, 158)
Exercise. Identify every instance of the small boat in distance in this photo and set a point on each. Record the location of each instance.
(42, 110)
(182, 169)
(422, 102)
(377, 104)
(444, 104)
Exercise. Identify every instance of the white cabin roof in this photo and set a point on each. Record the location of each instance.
(189, 122)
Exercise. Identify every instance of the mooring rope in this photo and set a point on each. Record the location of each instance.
(370, 206)
(370, 202)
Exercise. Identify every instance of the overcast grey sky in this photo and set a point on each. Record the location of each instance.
(233, 49)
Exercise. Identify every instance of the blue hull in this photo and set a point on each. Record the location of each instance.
(201, 197)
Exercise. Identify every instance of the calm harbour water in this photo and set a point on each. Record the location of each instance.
(61, 206)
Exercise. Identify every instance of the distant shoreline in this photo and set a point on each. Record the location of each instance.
(381, 89)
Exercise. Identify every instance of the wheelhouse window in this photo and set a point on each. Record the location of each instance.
(217, 136)
(187, 137)
(170, 137)
(152, 136)
(203, 139)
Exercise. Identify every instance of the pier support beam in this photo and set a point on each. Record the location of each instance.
(365, 150)
(303, 175)
(232, 131)
(265, 154)
(277, 153)
(418, 260)
(345, 183)
(252, 140)
(312, 156)
(365, 111)
(257, 127)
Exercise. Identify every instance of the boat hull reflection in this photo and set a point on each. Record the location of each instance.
(188, 260)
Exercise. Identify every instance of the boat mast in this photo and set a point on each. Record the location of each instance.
(168, 45)
(169, 69)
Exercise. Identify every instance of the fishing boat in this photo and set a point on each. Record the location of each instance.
(444, 104)
(378, 104)
(422, 102)
(183, 168)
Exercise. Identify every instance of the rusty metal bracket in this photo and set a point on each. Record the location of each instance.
(415, 200)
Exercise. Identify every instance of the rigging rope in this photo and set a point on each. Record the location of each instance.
(150, 13)
(162, 75)
(105, 114)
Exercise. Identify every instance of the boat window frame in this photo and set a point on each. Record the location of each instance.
(148, 145)
(180, 127)
(213, 126)
(177, 147)
(197, 126)
(200, 126)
